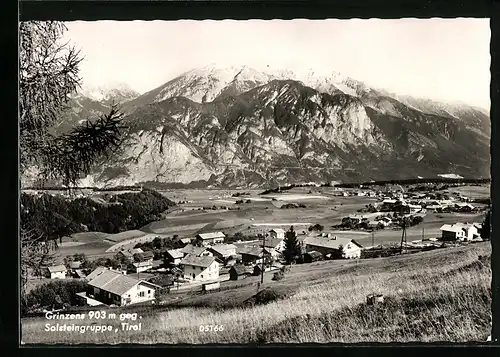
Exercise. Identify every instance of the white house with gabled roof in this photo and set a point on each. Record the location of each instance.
(207, 239)
(202, 268)
(111, 287)
(460, 231)
(277, 233)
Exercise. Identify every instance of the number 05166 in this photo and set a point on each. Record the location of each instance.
(211, 328)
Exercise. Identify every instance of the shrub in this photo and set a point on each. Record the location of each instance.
(54, 294)
(278, 276)
(266, 296)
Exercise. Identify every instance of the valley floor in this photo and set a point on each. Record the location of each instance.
(440, 295)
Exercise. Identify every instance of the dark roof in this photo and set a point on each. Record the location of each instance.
(191, 249)
(96, 272)
(130, 252)
(222, 248)
(126, 253)
(148, 254)
(239, 269)
(197, 261)
(79, 273)
(253, 251)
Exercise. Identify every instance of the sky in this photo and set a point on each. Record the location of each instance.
(441, 59)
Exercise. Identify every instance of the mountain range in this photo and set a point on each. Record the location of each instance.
(236, 126)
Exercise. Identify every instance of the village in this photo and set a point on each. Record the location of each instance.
(145, 270)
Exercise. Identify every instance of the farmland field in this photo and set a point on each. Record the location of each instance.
(260, 215)
(472, 191)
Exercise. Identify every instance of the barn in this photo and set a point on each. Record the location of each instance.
(312, 256)
(238, 272)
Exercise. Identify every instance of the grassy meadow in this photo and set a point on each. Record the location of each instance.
(439, 295)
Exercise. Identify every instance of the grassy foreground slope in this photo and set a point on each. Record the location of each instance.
(440, 295)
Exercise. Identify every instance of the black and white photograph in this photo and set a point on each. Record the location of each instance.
(255, 181)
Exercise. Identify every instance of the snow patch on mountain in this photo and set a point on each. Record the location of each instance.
(207, 83)
(108, 91)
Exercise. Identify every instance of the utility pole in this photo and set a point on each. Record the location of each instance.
(423, 233)
(403, 237)
(263, 266)
(373, 239)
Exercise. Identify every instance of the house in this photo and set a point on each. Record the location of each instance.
(85, 300)
(385, 221)
(388, 204)
(277, 233)
(405, 208)
(75, 265)
(207, 239)
(142, 266)
(257, 269)
(276, 244)
(174, 256)
(186, 241)
(129, 253)
(56, 272)
(223, 251)
(196, 251)
(146, 256)
(464, 207)
(78, 274)
(355, 218)
(338, 247)
(414, 208)
(434, 208)
(312, 256)
(233, 259)
(375, 224)
(254, 255)
(95, 273)
(459, 231)
(113, 288)
(238, 272)
(200, 268)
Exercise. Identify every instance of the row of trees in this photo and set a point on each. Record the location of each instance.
(54, 217)
(159, 246)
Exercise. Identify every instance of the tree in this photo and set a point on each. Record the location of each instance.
(139, 257)
(486, 226)
(317, 227)
(35, 253)
(121, 259)
(48, 74)
(292, 247)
